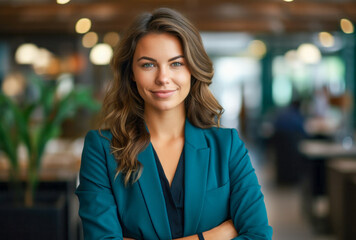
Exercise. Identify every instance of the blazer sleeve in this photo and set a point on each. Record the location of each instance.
(247, 207)
(98, 209)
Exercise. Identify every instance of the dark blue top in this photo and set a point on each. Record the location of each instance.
(174, 196)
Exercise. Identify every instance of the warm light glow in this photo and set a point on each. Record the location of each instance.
(13, 84)
(63, 1)
(54, 66)
(26, 53)
(326, 39)
(101, 54)
(83, 25)
(42, 61)
(90, 39)
(257, 48)
(288, 0)
(291, 56)
(309, 53)
(346, 26)
(111, 38)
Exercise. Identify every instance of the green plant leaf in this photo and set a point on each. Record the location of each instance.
(9, 138)
(18, 125)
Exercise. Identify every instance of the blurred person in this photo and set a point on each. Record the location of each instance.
(289, 132)
(291, 119)
(163, 168)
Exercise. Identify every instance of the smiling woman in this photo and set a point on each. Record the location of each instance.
(160, 72)
(163, 168)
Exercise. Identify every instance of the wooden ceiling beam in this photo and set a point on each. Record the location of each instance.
(224, 15)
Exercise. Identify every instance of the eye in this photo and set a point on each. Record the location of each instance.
(176, 64)
(147, 65)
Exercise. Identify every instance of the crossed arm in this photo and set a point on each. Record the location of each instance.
(224, 231)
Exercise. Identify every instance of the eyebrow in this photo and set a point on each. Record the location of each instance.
(154, 60)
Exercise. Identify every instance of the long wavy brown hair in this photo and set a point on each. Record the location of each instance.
(123, 108)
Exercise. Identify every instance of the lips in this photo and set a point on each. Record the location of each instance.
(163, 93)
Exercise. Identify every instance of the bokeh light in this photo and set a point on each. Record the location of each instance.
(257, 48)
(326, 39)
(83, 25)
(26, 53)
(111, 38)
(90, 39)
(101, 54)
(291, 56)
(346, 26)
(42, 61)
(13, 84)
(309, 53)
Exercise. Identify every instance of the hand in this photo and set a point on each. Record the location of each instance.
(128, 238)
(224, 231)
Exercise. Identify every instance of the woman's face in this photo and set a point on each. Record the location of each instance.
(161, 72)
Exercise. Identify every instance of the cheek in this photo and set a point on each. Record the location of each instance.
(140, 89)
(186, 82)
(139, 85)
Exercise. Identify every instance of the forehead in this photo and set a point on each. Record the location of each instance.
(158, 44)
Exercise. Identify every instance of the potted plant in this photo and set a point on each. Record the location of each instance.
(31, 120)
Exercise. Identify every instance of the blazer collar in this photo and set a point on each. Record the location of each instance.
(151, 189)
(196, 174)
(194, 136)
(196, 171)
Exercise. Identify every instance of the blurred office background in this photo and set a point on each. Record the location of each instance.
(284, 73)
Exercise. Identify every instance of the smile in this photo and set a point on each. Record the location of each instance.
(163, 93)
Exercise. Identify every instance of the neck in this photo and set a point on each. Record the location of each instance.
(165, 125)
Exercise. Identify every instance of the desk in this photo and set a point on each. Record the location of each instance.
(341, 185)
(316, 149)
(318, 154)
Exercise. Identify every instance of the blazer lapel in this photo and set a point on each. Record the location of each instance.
(196, 172)
(151, 189)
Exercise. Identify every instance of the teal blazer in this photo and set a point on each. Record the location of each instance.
(220, 184)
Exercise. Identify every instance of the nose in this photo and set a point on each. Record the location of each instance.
(162, 77)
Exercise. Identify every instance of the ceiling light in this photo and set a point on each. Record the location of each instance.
(326, 39)
(83, 25)
(63, 1)
(346, 26)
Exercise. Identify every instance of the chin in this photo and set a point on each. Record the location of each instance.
(166, 107)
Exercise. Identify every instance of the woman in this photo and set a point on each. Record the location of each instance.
(163, 169)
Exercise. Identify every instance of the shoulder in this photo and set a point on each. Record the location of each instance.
(101, 135)
(221, 133)
(225, 138)
(218, 130)
(97, 150)
(97, 140)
